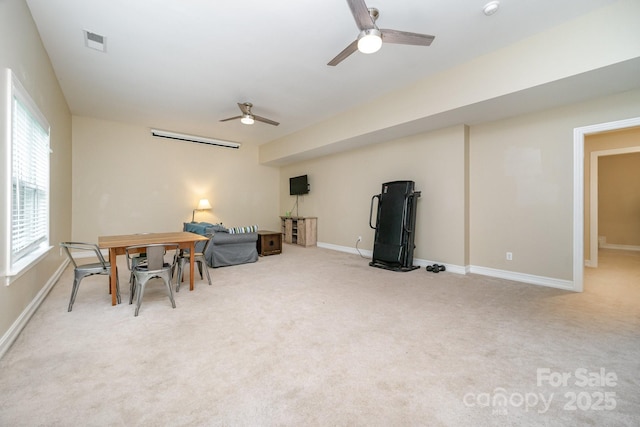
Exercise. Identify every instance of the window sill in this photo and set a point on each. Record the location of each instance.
(25, 264)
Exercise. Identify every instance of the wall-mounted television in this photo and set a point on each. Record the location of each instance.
(298, 185)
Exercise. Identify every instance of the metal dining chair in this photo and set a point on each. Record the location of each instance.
(154, 267)
(136, 259)
(81, 271)
(198, 258)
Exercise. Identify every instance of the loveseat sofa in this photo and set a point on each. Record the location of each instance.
(228, 246)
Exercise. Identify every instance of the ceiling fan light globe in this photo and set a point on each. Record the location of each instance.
(247, 120)
(370, 41)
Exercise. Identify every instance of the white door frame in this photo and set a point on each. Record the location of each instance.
(578, 193)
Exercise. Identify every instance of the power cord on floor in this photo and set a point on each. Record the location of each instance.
(361, 256)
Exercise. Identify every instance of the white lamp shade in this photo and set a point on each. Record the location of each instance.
(204, 205)
(247, 120)
(370, 41)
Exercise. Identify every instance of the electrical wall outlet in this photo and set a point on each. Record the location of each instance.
(359, 238)
(509, 256)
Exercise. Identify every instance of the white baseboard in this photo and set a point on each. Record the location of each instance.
(346, 249)
(462, 269)
(523, 277)
(452, 268)
(12, 333)
(620, 247)
(601, 245)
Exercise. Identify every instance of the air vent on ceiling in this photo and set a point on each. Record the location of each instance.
(95, 41)
(193, 138)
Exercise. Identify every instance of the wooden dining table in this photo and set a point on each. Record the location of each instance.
(117, 245)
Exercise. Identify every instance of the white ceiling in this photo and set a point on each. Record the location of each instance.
(183, 65)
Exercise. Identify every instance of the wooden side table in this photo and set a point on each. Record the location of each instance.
(269, 242)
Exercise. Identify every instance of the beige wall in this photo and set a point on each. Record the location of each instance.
(21, 50)
(521, 185)
(520, 188)
(619, 199)
(521, 194)
(342, 186)
(126, 181)
(603, 141)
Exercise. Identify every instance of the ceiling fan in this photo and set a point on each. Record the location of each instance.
(370, 38)
(248, 117)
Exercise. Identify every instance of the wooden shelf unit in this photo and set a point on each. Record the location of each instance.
(299, 230)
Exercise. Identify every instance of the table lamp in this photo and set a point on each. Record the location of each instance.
(203, 205)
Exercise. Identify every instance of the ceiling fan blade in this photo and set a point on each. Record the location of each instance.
(231, 118)
(245, 108)
(344, 54)
(263, 120)
(361, 14)
(403, 37)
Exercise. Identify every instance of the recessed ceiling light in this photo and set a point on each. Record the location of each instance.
(491, 8)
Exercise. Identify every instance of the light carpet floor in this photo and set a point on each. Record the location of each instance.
(314, 337)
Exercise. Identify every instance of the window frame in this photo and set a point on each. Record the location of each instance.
(15, 92)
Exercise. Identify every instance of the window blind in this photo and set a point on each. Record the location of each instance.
(29, 181)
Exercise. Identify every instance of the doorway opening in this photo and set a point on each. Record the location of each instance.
(593, 199)
(578, 192)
